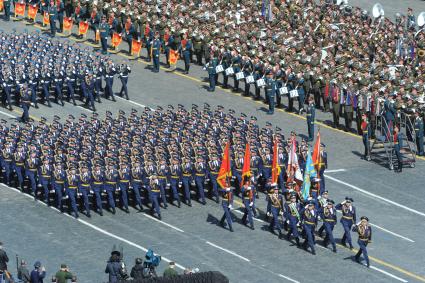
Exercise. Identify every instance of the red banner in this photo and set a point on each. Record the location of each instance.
(67, 23)
(316, 153)
(1, 5)
(83, 28)
(225, 172)
(174, 56)
(46, 19)
(246, 170)
(116, 39)
(19, 9)
(32, 11)
(275, 163)
(136, 46)
(97, 37)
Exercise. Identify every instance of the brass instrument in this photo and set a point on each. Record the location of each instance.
(421, 53)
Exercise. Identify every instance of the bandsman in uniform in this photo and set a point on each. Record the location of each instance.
(347, 220)
(364, 231)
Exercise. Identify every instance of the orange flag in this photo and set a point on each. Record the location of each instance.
(83, 28)
(116, 39)
(46, 19)
(136, 46)
(225, 171)
(174, 56)
(246, 170)
(32, 11)
(97, 36)
(1, 5)
(19, 9)
(275, 163)
(316, 152)
(67, 23)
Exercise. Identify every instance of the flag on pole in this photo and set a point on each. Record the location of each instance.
(46, 19)
(309, 174)
(32, 11)
(116, 39)
(246, 170)
(136, 46)
(275, 163)
(67, 23)
(83, 28)
(316, 153)
(225, 172)
(19, 9)
(174, 56)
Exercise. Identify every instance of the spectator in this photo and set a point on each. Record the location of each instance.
(137, 270)
(23, 272)
(63, 275)
(3, 261)
(170, 271)
(38, 273)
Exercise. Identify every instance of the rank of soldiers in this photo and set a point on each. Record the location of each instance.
(42, 66)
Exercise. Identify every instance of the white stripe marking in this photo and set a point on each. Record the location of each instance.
(227, 251)
(389, 274)
(256, 219)
(162, 222)
(7, 114)
(392, 233)
(88, 110)
(335, 170)
(376, 196)
(103, 231)
(288, 278)
(131, 101)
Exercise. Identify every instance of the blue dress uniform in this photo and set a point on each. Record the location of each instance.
(301, 94)
(109, 79)
(84, 189)
(31, 171)
(45, 83)
(70, 83)
(248, 201)
(53, 13)
(124, 70)
(200, 171)
(328, 215)
(7, 163)
(211, 65)
(104, 32)
(59, 178)
(275, 208)
(137, 183)
(154, 192)
(124, 184)
(292, 218)
(311, 114)
(175, 179)
(19, 166)
(7, 90)
(186, 55)
(214, 167)
(33, 84)
(58, 83)
(155, 50)
(365, 237)
(270, 92)
(226, 203)
(389, 114)
(309, 217)
(236, 64)
(187, 172)
(163, 173)
(226, 62)
(111, 177)
(237, 170)
(45, 178)
(98, 187)
(71, 190)
(267, 166)
(25, 104)
(419, 130)
(347, 220)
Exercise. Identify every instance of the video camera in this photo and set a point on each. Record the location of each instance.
(151, 259)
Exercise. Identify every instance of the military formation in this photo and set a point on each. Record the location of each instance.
(159, 157)
(36, 69)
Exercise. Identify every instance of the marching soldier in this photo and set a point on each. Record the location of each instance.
(163, 173)
(137, 182)
(19, 165)
(104, 31)
(84, 187)
(328, 215)
(175, 179)
(26, 104)
(123, 71)
(249, 206)
(347, 220)
(311, 113)
(111, 177)
(200, 171)
(214, 167)
(72, 185)
(154, 193)
(309, 218)
(275, 208)
(59, 178)
(226, 203)
(98, 186)
(45, 178)
(365, 237)
(187, 172)
(293, 217)
(124, 184)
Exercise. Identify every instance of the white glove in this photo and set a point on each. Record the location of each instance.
(251, 203)
(268, 214)
(227, 189)
(287, 221)
(230, 206)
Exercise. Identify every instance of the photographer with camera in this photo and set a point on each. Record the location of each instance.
(151, 262)
(137, 269)
(116, 268)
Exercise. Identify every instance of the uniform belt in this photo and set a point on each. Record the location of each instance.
(363, 239)
(348, 217)
(239, 170)
(200, 175)
(9, 160)
(85, 185)
(161, 177)
(111, 183)
(19, 164)
(59, 182)
(72, 187)
(45, 176)
(315, 190)
(187, 175)
(268, 166)
(137, 180)
(214, 172)
(310, 223)
(277, 206)
(329, 220)
(174, 177)
(124, 181)
(97, 183)
(308, 114)
(155, 191)
(33, 169)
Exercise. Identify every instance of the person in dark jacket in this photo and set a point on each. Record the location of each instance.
(38, 273)
(23, 272)
(137, 269)
(113, 267)
(3, 258)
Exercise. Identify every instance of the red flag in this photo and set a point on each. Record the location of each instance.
(116, 39)
(174, 56)
(316, 152)
(225, 171)
(67, 23)
(136, 46)
(246, 170)
(46, 19)
(32, 11)
(83, 27)
(20, 9)
(275, 163)
(1, 5)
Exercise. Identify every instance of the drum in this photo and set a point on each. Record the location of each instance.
(261, 82)
(293, 93)
(283, 90)
(219, 69)
(229, 71)
(240, 76)
(250, 79)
